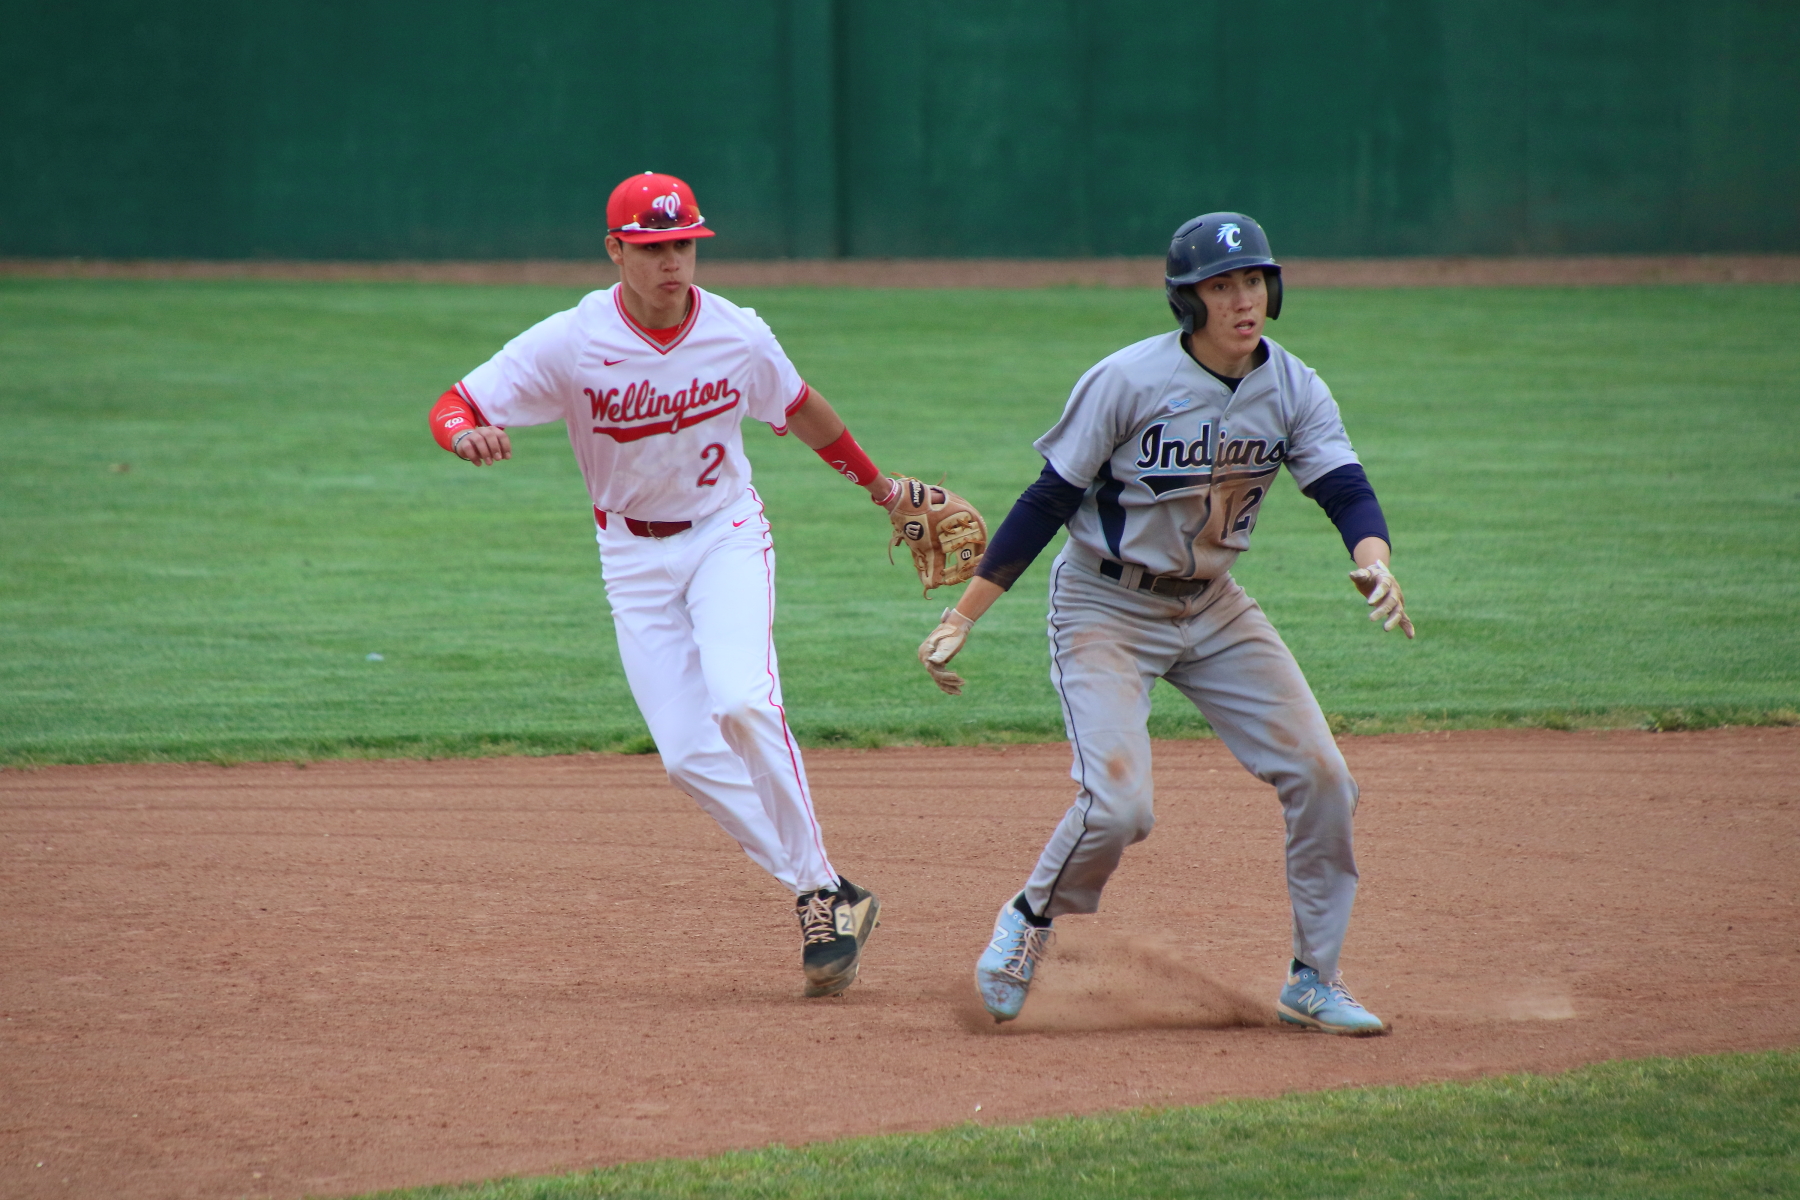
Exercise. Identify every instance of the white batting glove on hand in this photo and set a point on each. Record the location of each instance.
(941, 646)
(1378, 584)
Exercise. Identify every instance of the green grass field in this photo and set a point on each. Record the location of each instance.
(1699, 1127)
(221, 499)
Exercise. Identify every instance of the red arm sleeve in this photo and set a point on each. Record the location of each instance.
(849, 460)
(453, 413)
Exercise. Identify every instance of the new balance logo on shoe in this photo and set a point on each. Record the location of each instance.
(1313, 1003)
(1312, 1000)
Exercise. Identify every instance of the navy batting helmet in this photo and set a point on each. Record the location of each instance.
(1212, 245)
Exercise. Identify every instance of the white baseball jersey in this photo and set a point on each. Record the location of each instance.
(657, 429)
(1181, 462)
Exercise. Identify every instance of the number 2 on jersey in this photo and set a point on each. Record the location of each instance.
(714, 458)
(1246, 510)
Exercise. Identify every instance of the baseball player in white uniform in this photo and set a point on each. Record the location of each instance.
(1158, 467)
(654, 378)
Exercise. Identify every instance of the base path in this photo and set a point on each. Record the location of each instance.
(272, 980)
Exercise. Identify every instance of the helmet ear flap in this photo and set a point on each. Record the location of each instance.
(1272, 283)
(1190, 314)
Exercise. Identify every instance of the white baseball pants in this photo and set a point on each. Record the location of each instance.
(694, 615)
(1108, 645)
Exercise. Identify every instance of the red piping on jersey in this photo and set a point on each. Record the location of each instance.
(463, 389)
(805, 391)
(656, 343)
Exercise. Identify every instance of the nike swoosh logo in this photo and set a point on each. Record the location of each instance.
(735, 524)
(612, 362)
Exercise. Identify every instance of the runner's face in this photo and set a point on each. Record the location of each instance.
(659, 273)
(1237, 303)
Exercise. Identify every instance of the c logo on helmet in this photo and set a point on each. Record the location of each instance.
(1230, 236)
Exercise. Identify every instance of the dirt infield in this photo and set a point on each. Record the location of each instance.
(1589, 269)
(271, 980)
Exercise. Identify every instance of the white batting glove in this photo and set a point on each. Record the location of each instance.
(1382, 590)
(941, 645)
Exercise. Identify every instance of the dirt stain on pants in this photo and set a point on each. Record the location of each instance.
(1108, 646)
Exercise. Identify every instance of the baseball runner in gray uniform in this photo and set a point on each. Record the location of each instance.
(1159, 467)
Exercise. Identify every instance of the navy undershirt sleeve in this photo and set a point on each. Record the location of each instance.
(1039, 512)
(1348, 499)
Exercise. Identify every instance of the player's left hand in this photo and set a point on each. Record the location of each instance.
(941, 645)
(1382, 590)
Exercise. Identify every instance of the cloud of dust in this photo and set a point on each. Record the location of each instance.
(1094, 979)
(1540, 1005)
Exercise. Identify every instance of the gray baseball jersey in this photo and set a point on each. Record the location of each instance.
(1182, 462)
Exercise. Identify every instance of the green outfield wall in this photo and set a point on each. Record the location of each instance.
(810, 128)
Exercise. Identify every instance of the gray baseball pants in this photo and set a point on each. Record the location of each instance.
(1108, 645)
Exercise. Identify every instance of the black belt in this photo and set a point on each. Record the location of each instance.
(1161, 585)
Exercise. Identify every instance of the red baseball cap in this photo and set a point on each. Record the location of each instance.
(654, 208)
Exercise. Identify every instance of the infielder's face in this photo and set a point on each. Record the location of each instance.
(1237, 303)
(657, 275)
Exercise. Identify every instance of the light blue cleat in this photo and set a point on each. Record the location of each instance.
(1003, 972)
(1308, 1001)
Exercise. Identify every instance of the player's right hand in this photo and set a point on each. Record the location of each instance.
(483, 445)
(941, 645)
(1382, 591)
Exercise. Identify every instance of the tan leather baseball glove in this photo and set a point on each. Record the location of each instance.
(944, 532)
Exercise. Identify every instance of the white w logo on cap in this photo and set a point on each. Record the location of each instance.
(667, 205)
